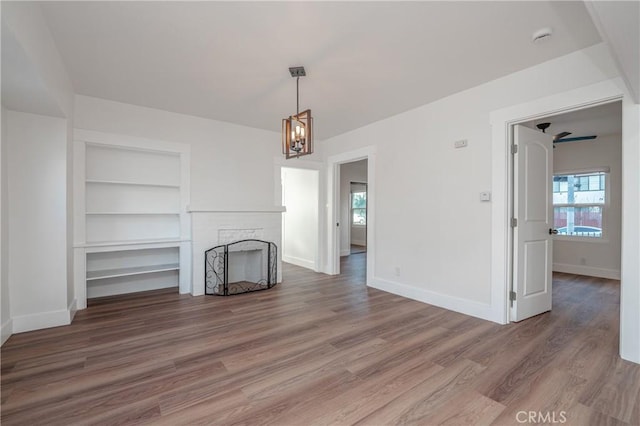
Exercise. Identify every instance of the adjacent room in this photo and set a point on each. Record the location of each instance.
(339, 213)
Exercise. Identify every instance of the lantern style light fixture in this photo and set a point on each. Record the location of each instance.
(297, 133)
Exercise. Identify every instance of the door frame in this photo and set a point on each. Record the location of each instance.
(502, 122)
(333, 207)
(606, 91)
(278, 164)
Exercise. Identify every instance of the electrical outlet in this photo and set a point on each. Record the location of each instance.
(485, 196)
(460, 144)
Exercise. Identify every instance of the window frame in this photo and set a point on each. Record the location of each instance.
(365, 208)
(604, 206)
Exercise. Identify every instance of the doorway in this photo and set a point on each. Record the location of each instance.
(301, 220)
(353, 207)
(579, 198)
(338, 210)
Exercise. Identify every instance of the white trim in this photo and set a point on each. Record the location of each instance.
(578, 239)
(464, 306)
(305, 263)
(603, 169)
(345, 252)
(589, 271)
(72, 308)
(333, 206)
(41, 320)
(359, 243)
(6, 331)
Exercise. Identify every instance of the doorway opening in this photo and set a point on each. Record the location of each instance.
(358, 167)
(353, 218)
(353, 207)
(301, 220)
(566, 234)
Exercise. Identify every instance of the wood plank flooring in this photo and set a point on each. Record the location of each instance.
(319, 350)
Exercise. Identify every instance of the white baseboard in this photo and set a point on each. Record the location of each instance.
(305, 263)
(464, 306)
(73, 308)
(7, 330)
(41, 320)
(359, 243)
(589, 271)
(345, 252)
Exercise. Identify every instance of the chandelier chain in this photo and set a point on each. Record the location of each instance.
(297, 96)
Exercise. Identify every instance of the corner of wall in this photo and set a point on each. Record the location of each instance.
(5, 317)
(6, 331)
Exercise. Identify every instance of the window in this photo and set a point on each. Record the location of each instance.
(578, 204)
(359, 208)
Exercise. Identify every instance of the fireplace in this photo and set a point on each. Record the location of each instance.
(240, 267)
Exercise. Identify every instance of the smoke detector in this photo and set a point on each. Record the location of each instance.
(541, 35)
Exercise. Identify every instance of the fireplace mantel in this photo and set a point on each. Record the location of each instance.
(213, 226)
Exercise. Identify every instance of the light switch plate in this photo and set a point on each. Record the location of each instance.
(485, 196)
(460, 144)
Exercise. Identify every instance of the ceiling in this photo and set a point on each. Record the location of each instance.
(365, 61)
(599, 121)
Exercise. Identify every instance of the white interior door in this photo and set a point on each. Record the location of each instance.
(533, 210)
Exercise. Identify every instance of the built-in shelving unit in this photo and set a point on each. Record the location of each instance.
(132, 225)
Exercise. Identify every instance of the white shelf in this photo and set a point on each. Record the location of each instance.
(118, 182)
(124, 272)
(131, 242)
(238, 209)
(133, 213)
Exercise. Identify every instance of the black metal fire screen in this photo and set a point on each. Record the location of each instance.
(240, 267)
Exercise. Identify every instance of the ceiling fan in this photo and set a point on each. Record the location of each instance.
(562, 136)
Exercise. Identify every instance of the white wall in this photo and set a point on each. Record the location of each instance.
(300, 192)
(599, 258)
(5, 307)
(630, 280)
(37, 208)
(435, 230)
(350, 172)
(26, 25)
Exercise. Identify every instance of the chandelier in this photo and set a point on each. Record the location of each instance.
(297, 135)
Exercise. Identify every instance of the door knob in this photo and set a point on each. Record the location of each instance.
(553, 231)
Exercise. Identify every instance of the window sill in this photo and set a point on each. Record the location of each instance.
(581, 239)
(359, 225)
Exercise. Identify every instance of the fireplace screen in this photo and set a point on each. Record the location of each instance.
(240, 267)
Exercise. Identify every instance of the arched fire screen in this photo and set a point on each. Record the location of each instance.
(240, 267)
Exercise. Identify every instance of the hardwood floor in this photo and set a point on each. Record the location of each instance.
(320, 350)
(356, 249)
